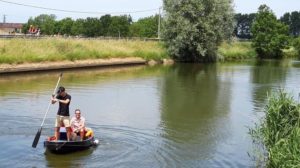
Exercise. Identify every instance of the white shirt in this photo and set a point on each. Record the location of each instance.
(77, 123)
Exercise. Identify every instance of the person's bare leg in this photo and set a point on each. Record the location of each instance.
(57, 133)
(68, 133)
(81, 134)
(73, 136)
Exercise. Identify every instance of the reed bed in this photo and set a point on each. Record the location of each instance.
(279, 131)
(17, 51)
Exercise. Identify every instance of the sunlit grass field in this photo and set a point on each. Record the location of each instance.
(16, 51)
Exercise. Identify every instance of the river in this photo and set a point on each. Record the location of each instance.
(184, 115)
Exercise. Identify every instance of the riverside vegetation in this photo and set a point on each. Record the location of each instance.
(18, 51)
(241, 50)
(236, 51)
(279, 131)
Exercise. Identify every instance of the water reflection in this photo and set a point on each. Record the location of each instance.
(77, 159)
(11, 84)
(195, 104)
(184, 115)
(266, 76)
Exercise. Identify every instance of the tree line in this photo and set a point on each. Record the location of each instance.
(268, 34)
(107, 25)
(123, 26)
(196, 28)
(244, 23)
(192, 29)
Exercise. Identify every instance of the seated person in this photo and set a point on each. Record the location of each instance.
(78, 124)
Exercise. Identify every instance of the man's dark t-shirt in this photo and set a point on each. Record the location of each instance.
(63, 109)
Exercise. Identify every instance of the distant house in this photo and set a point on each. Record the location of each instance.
(10, 28)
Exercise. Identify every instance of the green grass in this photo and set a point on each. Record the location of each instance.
(236, 51)
(17, 51)
(291, 52)
(279, 131)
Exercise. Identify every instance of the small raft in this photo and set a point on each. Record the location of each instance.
(64, 146)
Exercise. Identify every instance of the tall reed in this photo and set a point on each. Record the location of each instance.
(279, 131)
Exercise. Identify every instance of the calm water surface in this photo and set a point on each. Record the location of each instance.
(185, 115)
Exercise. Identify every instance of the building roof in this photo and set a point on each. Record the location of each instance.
(11, 25)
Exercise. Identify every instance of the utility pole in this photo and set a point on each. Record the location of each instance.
(158, 28)
(4, 18)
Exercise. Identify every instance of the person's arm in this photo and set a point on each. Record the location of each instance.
(68, 99)
(72, 124)
(53, 99)
(63, 101)
(82, 124)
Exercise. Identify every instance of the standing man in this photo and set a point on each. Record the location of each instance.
(63, 115)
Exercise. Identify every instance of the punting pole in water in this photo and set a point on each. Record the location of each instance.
(38, 134)
(298, 97)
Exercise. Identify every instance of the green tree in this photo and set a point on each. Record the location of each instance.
(57, 27)
(293, 21)
(119, 26)
(78, 27)
(243, 23)
(46, 23)
(26, 26)
(295, 25)
(286, 18)
(66, 26)
(145, 27)
(296, 44)
(105, 22)
(135, 29)
(193, 29)
(92, 27)
(270, 36)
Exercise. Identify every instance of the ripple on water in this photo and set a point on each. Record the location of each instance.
(17, 152)
(122, 146)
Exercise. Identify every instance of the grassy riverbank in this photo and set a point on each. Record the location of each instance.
(279, 131)
(58, 49)
(18, 51)
(236, 51)
(240, 50)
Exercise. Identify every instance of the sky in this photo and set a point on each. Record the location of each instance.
(279, 7)
(96, 8)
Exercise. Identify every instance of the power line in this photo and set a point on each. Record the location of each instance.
(74, 11)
